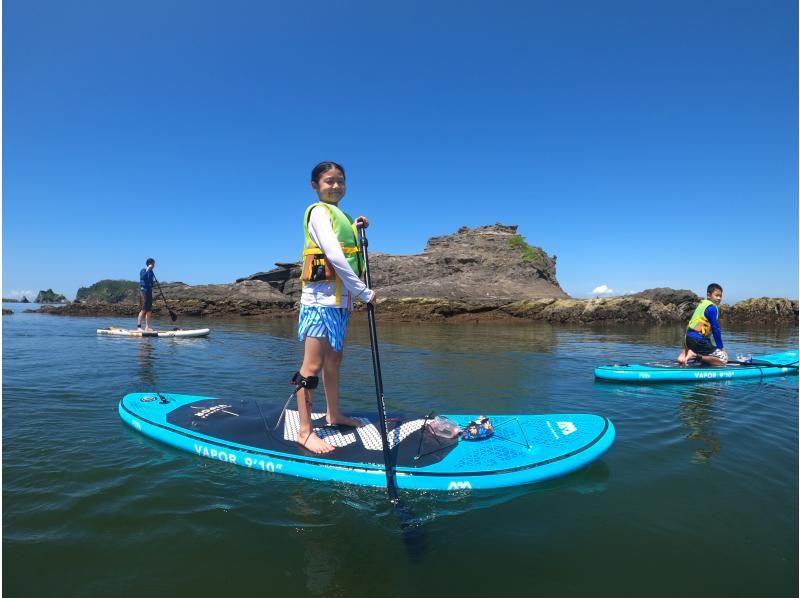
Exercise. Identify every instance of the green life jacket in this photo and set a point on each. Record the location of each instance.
(699, 321)
(315, 267)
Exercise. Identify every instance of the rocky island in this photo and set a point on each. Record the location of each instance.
(49, 296)
(483, 273)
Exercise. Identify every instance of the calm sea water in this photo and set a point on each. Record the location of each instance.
(697, 497)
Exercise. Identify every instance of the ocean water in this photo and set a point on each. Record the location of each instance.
(698, 496)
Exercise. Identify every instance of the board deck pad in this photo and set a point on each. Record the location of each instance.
(248, 423)
(524, 448)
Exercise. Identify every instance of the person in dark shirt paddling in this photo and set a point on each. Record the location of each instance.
(703, 324)
(146, 278)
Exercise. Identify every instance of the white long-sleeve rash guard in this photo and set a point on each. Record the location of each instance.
(324, 293)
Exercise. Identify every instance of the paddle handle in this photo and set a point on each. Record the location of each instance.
(391, 486)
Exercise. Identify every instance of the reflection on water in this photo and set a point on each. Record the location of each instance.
(487, 337)
(697, 413)
(146, 360)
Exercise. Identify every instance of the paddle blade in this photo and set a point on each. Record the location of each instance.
(414, 536)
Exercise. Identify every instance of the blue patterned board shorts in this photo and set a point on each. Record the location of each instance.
(320, 322)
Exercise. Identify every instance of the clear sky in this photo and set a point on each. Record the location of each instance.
(646, 144)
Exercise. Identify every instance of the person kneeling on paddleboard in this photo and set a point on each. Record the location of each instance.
(332, 264)
(704, 323)
(146, 278)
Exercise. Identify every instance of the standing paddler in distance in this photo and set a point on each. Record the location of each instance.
(703, 324)
(146, 278)
(332, 266)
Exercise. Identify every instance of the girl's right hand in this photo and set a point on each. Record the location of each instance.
(374, 297)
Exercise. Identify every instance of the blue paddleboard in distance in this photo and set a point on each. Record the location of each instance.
(524, 448)
(775, 364)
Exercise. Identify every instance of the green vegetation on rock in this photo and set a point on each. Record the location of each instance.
(529, 253)
(110, 291)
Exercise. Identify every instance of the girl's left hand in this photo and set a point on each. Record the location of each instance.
(362, 222)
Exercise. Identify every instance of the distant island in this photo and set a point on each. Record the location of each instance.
(49, 296)
(483, 273)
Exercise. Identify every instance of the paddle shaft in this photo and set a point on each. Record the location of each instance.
(171, 313)
(764, 364)
(391, 487)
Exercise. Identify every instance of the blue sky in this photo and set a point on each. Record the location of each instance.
(645, 144)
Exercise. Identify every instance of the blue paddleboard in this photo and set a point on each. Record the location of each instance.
(524, 448)
(775, 364)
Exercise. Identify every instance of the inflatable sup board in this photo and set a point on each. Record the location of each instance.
(523, 449)
(177, 333)
(775, 364)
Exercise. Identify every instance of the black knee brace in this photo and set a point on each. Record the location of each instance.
(301, 381)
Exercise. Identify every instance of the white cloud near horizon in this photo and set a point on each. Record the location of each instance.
(602, 290)
(19, 295)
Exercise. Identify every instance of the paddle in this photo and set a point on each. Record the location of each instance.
(766, 364)
(171, 313)
(391, 487)
(413, 535)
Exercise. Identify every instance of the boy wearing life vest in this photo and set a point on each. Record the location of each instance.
(332, 264)
(703, 324)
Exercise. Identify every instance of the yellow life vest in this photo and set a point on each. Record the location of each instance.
(699, 322)
(316, 267)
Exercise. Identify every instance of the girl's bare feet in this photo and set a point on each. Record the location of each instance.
(343, 420)
(314, 443)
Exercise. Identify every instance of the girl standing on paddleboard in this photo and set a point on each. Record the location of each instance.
(332, 264)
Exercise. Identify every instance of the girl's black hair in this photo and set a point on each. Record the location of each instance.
(149, 261)
(324, 167)
(713, 287)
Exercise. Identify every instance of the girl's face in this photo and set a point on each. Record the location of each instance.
(331, 186)
(716, 296)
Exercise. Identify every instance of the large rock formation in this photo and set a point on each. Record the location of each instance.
(764, 310)
(488, 272)
(488, 263)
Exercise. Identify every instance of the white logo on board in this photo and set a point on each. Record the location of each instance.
(567, 428)
(205, 412)
(459, 486)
